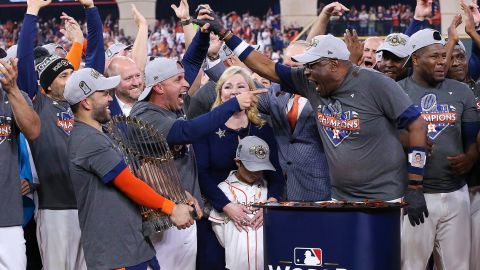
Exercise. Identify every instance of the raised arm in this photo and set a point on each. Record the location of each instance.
(74, 33)
(193, 59)
(25, 117)
(140, 46)
(452, 38)
(27, 76)
(319, 27)
(423, 10)
(183, 13)
(95, 56)
(472, 18)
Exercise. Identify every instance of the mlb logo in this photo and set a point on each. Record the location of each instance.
(308, 256)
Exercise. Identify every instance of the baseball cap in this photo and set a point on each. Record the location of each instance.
(397, 44)
(158, 70)
(424, 38)
(323, 46)
(116, 48)
(51, 47)
(254, 154)
(226, 52)
(84, 82)
(460, 46)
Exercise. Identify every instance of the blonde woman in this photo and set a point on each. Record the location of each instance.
(216, 158)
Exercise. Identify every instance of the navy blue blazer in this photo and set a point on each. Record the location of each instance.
(301, 153)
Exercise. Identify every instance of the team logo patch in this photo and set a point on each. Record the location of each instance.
(85, 88)
(94, 73)
(308, 256)
(438, 116)
(259, 151)
(5, 129)
(477, 103)
(337, 124)
(65, 121)
(313, 43)
(395, 40)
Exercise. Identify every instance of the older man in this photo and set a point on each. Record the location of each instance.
(357, 112)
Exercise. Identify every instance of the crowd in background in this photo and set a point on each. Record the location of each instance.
(379, 20)
(166, 36)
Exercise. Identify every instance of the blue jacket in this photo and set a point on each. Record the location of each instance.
(215, 159)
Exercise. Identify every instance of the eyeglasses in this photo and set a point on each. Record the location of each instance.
(311, 64)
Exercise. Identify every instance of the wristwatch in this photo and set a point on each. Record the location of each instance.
(186, 22)
(213, 58)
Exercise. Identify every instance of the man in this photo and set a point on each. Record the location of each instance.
(300, 150)
(105, 188)
(161, 104)
(16, 115)
(449, 109)
(57, 215)
(392, 56)
(355, 110)
(370, 46)
(130, 87)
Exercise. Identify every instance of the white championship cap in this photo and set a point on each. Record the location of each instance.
(85, 82)
(116, 48)
(424, 38)
(397, 44)
(323, 46)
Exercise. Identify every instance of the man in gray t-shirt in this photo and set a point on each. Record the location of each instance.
(107, 192)
(358, 111)
(16, 115)
(449, 109)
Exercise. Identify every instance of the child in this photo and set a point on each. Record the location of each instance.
(243, 244)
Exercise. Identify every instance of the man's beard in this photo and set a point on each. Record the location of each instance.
(101, 115)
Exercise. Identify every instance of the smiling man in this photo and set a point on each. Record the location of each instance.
(130, 87)
(358, 112)
(392, 55)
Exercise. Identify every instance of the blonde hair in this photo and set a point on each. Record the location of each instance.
(252, 112)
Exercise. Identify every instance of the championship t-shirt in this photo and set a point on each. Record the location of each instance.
(358, 127)
(49, 152)
(444, 108)
(111, 223)
(11, 213)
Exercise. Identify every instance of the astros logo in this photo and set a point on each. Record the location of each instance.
(65, 121)
(5, 129)
(438, 116)
(337, 124)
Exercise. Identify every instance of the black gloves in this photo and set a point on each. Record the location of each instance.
(416, 206)
(216, 26)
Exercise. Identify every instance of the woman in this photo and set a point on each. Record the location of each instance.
(215, 159)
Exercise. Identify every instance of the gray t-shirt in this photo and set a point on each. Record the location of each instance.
(444, 108)
(357, 124)
(11, 207)
(49, 152)
(111, 223)
(184, 157)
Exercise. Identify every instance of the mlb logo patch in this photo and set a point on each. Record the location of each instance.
(308, 256)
